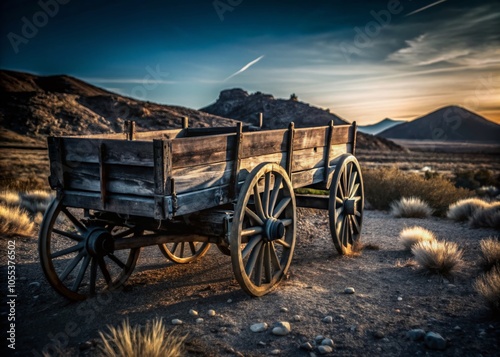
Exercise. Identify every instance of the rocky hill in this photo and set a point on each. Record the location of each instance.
(379, 127)
(450, 123)
(32, 107)
(278, 113)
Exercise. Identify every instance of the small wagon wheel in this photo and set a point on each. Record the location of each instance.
(184, 252)
(346, 204)
(77, 256)
(262, 236)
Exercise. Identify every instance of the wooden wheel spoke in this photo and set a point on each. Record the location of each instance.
(259, 265)
(81, 273)
(274, 196)
(341, 192)
(67, 251)
(72, 265)
(93, 275)
(356, 225)
(104, 270)
(78, 225)
(339, 200)
(252, 231)
(267, 263)
(281, 206)
(351, 230)
(253, 259)
(182, 250)
(287, 221)
(250, 246)
(118, 262)
(192, 247)
(267, 194)
(283, 243)
(258, 202)
(338, 211)
(174, 248)
(274, 257)
(352, 181)
(70, 235)
(254, 216)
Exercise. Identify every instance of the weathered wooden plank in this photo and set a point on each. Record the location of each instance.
(202, 150)
(102, 174)
(160, 134)
(123, 204)
(136, 153)
(264, 142)
(233, 188)
(56, 179)
(310, 137)
(200, 200)
(307, 177)
(341, 134)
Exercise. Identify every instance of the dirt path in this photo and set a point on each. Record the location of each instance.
(391, 298)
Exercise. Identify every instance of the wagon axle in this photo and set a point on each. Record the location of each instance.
(274, 229)
(99, 242)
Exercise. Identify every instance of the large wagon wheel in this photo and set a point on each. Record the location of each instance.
(77, 256)
(184, 252)
(346, 204)
(262, 236)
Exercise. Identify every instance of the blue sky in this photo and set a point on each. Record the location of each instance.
(365, 60)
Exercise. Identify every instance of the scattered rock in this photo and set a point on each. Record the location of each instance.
(85, 345)
(323, 350)
(327, 319)
(349, 290)
(416, 334)
(199, 320)
(259, 327)
(307, 346)
(193, 312)
(177, 322)
(435, 341)
(284, 309)
(282, 328)
(262, 343)
(400, 298)
(229, 301)
(297, 318)
(457, 328)
(35, 285)
(319, 338)
(275, 352)
(211, 312)
(378, 334)
(385, 339)
(327, 342)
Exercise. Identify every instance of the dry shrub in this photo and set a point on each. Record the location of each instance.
(464, 209)
(137, 341)
(15, 221)
(438, 257)
(487, 217)
(386, 185)
(413, 235)
(488, 285)
(9, 198)
(35, 201)
(490, 249)
(411, 207)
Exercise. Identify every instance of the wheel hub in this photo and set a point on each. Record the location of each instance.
(350, 206)
(274, 229)
(99, 242)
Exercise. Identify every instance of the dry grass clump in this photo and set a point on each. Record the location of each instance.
(488, 285)
(487, 217)
(412, 235)
(386, 185)
(438, 257)
(137, 341)
(35, 201)
(15, 221)
(489, 191)
(490, 249)
(464, 209)
(9, 198)
(411, 207)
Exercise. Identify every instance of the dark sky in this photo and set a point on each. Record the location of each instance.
(366, 60)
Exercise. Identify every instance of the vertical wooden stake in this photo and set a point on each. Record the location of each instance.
(261, 119)
(328, 148)
(354, 132)
(289, 156)
(185, 122)
(102, 173)
(233, 187)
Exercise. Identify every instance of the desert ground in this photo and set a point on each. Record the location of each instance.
(392, 294)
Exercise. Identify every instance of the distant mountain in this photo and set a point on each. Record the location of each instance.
(278, 113)
(382, 125)
(450, 123)
(32, 107)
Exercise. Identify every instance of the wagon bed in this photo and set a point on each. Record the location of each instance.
(186, 188)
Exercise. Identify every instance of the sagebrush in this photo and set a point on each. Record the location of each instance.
(487, 217)
(488, 286)
(14, 221)
(410, 207)
(150, 340)
(412, 235)
(490, 250)
(438, 257)
(463, 210)
(386, 185)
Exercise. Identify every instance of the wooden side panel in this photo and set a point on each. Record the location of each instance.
(264, 142)
(202, 150)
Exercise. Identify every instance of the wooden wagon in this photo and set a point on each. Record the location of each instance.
(185, 189)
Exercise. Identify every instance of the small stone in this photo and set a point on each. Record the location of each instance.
(193, 312)
(297, 318)
(353, 328)
(385, 339)
(34, 285)
(177, 322)
(435, 341)
(262, 343)
(323, 350)
(457, 328)
(319, 338)
(259, 327)
(416, 334)
(199, 320)
(282, 328)
(229, 301)
(211, 312)
(306, 346)
(284, 309)
(275, 352)
(327, 342)
(327, 319)
(85, 345)
(312, 354)
(349, 290)
(451, 285)
(378, 334)
(400, 298)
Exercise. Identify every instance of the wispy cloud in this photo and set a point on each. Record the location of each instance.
(245, 67)
(425, 7)
(128, 81)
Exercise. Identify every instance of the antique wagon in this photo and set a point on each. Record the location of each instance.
(185, 189)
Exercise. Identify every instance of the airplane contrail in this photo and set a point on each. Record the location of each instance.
(245, 67)
(425, 7)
